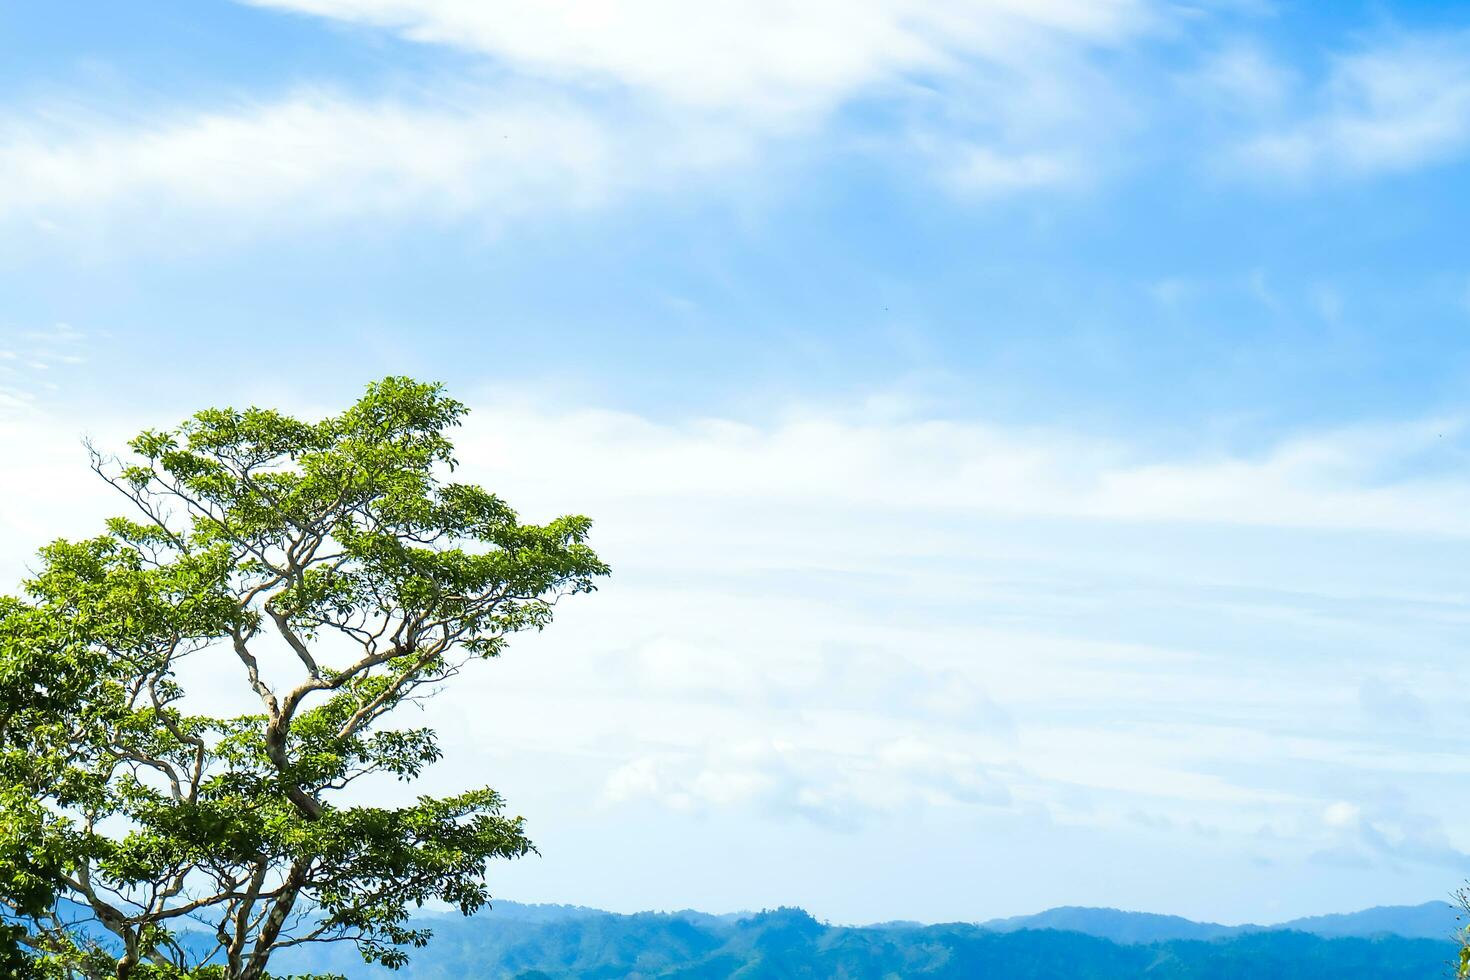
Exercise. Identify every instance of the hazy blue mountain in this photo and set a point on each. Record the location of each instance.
(555, 942)
(1113, 924)
(1432, 920)
(562, 942)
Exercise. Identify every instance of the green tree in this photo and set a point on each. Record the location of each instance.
(333, 568)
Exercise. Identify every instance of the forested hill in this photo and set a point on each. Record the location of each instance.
(1432, 920)
(537, 942)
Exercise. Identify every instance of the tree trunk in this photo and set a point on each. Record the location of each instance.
(270, 930)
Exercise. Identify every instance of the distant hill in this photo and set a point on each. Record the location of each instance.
(557, 942)
(515, 942)
(1115, 925)
(1432, 920)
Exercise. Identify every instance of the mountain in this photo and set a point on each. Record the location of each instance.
(1115, 925)
(558, 942)
(1432, 920)
(533, 943)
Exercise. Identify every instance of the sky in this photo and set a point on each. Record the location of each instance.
(1031, 437)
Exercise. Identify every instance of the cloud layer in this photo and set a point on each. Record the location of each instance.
(575, 105)
(844, 621)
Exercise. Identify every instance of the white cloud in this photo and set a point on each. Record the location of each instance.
(760, 57)
(837, 788)
(593, 103)
(1352, 478)
(317, 154)
(1387, 109)
(1388, 828)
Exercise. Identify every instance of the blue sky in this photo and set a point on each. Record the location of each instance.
(1030, 436)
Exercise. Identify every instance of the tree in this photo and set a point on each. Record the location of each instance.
(139, 839)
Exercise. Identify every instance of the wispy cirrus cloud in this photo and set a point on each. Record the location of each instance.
(29, 359)
(590, 105)
(1407, 476)
(991, 96)
(836, 789)
(1391, 107)
(324, 155)
(1240, 79)
(571, 106)
(751, 59)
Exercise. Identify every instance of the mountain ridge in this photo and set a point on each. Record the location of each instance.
(570, 942)
(1437, 920)
(1429, 920)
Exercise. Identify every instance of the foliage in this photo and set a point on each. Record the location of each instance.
(142, 839)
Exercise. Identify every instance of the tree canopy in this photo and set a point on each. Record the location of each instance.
(334, 569)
